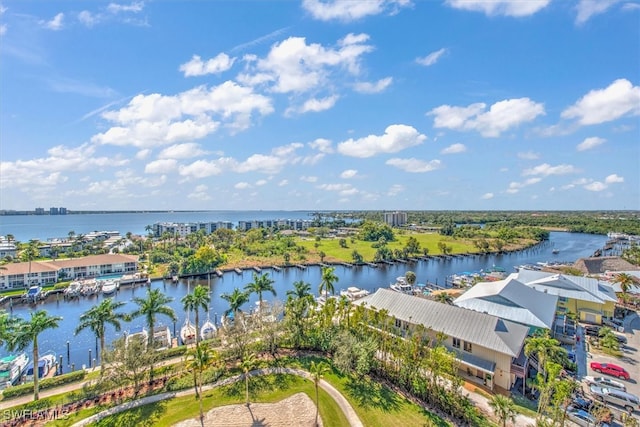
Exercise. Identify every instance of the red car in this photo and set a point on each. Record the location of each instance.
(610, 369)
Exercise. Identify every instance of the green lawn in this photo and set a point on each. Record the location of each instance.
(265, 389)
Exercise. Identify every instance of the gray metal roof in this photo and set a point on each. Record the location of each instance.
(564, 285)
(477, 328)
(512, 300)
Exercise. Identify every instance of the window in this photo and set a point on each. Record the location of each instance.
(467, 347)
(456, 342)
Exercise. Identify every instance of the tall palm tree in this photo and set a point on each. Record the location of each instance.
(199, 359)
(199, 298)
(544, 348)
(504, 408)
(97, 318)
(29, 254)
(301, 290)
(236, 299)
(247, 364)
(150, 307)
(261, 283)
(328, 279)
(317, 371)
(626, 282)
(411, 277)
(26, 332)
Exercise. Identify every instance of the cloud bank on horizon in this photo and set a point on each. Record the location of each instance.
(320, 104)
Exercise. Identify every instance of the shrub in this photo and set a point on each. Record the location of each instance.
(21, 390)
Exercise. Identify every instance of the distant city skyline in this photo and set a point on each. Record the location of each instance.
(320, 105)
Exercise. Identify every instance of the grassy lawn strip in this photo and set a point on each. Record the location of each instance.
(375, 404)
(264, 389)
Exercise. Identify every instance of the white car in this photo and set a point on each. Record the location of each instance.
(604, 382)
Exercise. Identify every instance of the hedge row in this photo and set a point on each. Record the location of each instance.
(21, 390)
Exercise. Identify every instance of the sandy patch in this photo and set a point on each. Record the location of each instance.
(294, 411)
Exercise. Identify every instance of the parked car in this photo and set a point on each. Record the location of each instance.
(583, 403)
(628, 401)
(604, 382)
(610, 369)
(621, 339)
(582, 418)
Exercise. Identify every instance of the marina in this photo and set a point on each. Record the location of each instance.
(431, 271)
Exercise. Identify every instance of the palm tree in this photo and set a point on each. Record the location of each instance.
(504, 408)
(236, 299)
(247, 364)
(154, 304)
(97, 317)
(27, 332)
(317, 372)
(327, 281)
(444, 297)
(301, 290)
(200, 297)
(261, 283)
(626, 282)
(199, 359)
(29, 253)
(544, 347)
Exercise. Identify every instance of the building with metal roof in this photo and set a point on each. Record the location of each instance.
(591, 299)
(485, 345)
(511, 299)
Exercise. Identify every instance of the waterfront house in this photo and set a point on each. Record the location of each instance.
(486, 346)
(22, 275)
(512, 300)
(589, 298)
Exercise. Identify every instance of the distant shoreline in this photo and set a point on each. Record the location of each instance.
(32, 213)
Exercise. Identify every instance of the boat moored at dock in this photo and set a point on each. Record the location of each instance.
(12, 368)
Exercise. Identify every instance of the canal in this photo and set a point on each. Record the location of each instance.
(82, 348)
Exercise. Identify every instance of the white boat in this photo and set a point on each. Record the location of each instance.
(354, 293)
(109, 287)
(139, 333)
(555, 251)
(46, 363)
(33, 294)
(402, 286)
(188, 332)
(161, 337)
(11, 368)
(74, 290)
(208, 329)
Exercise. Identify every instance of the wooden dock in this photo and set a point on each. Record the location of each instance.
(276, 268)
(257, 269)
(237, 270)
(301, 267)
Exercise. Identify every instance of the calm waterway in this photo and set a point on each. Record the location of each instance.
(572, 246)
(44, 227)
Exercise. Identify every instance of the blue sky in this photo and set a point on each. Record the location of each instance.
(378, 104)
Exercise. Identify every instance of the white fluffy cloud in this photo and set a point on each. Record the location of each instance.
(515, 187)
(349, 173)
(349, 10)
(200, 193)
(546, 169)
(309, 178)
(295, 66)
(454, 149)
(590, 143)
(617, 100)
(596, 186)
(501, 7)
(161, 166)
(613, 178)
(377, 87)
(487, 196)
(431, 58)
(182, 151)
(134, 7)
(55, 24)
(155, 119)
(41, 173)
(322, 145)
(242, 185)
(501, 116)
(588, 8)
(314, 105)
(414, 165)
(197, 67)
(396, 138)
